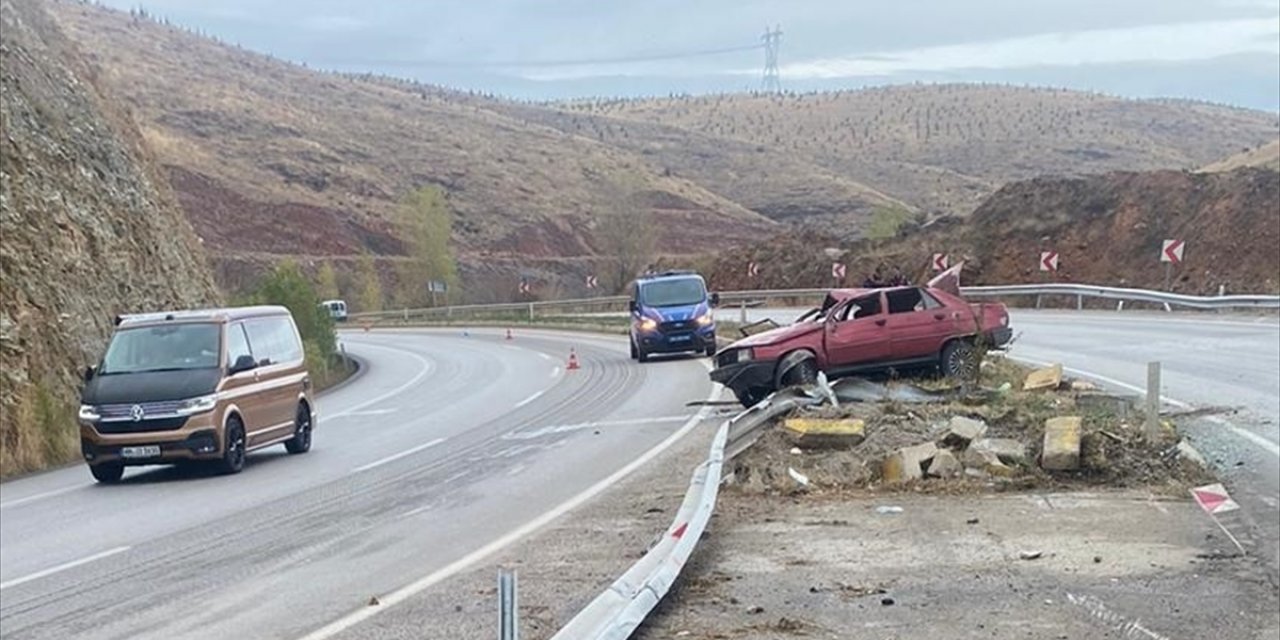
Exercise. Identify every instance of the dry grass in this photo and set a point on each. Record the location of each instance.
(1266, 156)
(41, 434)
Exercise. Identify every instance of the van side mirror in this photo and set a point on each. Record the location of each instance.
(633, 306)
(715, 299)
(243, 363)
(89, 372)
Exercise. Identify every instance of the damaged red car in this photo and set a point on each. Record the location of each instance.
(858, 331)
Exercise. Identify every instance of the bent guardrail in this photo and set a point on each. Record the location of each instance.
(620, 609)
(531, 310)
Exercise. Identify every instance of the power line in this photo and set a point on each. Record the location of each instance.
(563, 62)
(771, 81)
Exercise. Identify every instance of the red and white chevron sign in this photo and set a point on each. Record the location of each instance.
(838, 270)
(1171, 251)
(753, 269)
(524, 286)
(941, 262)
(592, 282)
(1048, 260)
(1214, 499)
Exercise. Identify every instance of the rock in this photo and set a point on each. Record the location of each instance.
(1188, 452)
(1006, 450)
(981, 463)
(971, 521)
(1047, 378)
(888, 602)
(1083, 385)
(825, 433)
(755, 610)
(908, 463)
(1031, 555)
(961, 431)
(888, 510)
(1061, 450)
(945, 465)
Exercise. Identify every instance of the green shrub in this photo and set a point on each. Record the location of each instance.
(288, 287)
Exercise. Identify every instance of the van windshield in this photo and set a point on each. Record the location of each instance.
(673, 293)
(169, 347)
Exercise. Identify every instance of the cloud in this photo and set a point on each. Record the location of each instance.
(1169, 43)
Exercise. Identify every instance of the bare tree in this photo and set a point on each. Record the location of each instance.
(628, 240)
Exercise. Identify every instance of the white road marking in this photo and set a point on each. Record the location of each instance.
(62, 567)
(368, 412)
(530, 399)
(1256, 439)
(39, 496)
(400, 595)
(555, 372)
(426, 368)
(393, 458)
(545, 356)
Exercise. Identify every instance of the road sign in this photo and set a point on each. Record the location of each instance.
(592, 282)
(1171, 251)
(941, 262)
(1213, 498)
(838, 270)
(753, 269)
(437, 286)
(524, 286)
(1048, 260)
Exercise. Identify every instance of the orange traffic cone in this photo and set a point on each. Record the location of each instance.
(573, 361)
(509, 334)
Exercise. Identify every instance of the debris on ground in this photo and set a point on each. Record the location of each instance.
(1046, 378)
(1061, 451)
(825, 433)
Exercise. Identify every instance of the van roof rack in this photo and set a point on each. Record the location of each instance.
(670, 272)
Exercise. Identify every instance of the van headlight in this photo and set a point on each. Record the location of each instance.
(89, 413)
(648, 324)
(705, 319)
(201, 404)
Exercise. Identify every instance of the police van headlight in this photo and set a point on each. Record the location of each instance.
(705, 319)
(201, 404)
(648, 324)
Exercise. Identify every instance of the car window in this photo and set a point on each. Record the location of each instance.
(929, 301)
(864, 307)
(273, 340)
(905, 301)
(237, 343)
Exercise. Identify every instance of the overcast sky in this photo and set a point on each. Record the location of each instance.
(1220, 50)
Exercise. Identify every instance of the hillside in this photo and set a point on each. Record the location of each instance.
(271, 157)
(1107, 229)
(944, 148)
(88, 229)
(1266, 156)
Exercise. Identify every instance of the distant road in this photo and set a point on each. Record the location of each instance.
(447, 446)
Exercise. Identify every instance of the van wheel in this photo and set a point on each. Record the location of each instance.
(301, 442)
(233, 452)
(959, 360)
(641, 355)
(635, 353)
(711, 351)
(107, 473)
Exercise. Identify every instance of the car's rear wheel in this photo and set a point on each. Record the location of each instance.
(301, 441)
(959, 360)
(233, 451)
(107, 472)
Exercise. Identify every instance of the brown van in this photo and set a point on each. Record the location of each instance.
(196, 385)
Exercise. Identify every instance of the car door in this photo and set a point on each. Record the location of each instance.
(270, 340)
(918, 323)
(856, 334)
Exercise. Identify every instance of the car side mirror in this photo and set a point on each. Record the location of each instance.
(243, 363)
(715, 299)
(631, 304)
(89, 372)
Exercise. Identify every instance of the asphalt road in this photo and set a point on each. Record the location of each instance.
(1208, 361)
(448, 448)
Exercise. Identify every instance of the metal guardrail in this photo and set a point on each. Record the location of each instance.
(620, 609)
(754, 297)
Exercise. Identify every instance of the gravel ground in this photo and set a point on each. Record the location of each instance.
(1110, 565)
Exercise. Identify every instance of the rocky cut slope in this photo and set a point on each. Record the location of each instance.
(88, 229)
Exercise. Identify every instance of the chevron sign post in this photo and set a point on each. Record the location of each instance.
(592, 282)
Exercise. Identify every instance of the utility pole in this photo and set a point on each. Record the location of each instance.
(771, 82)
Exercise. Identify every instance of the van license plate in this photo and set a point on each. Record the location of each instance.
(149, 451)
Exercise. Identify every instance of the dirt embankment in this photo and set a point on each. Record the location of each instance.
(88, 228)
(1107, 230)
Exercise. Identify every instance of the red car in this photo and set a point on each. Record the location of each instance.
(863, 331)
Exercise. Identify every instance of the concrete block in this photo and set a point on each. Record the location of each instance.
(961, 431)
(825, 433)
(1047, 378)
(945, 465)
(908, 463)
(1062, 443)
(983, 464)
(1007, 450)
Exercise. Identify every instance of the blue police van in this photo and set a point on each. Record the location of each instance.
(671, 312)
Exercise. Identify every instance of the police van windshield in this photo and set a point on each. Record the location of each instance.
(169, 347)
(673, 293)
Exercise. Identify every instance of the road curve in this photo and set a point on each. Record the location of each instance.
(449, 445)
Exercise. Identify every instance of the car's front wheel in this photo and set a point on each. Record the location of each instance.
(107, 472)
(750, 397)
(233, 450)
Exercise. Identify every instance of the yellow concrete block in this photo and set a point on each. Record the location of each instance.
(825, 433)
(1047, 378)
(1062, 443)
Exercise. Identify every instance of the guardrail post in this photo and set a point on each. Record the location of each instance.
(406, 314)
(530, 313)
(742, 312)
(1079, 302)
(1038, 297)
(1120, 306)
(1153, 400)
(508, 611)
